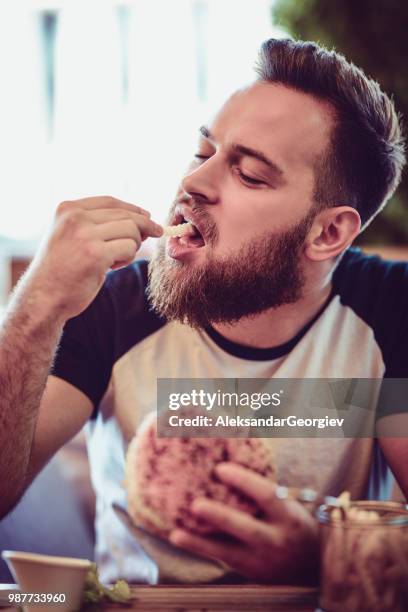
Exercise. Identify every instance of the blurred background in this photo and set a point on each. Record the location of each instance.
(105, 96)
(374, 35)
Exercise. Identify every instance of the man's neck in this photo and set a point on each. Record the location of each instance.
(278, 325)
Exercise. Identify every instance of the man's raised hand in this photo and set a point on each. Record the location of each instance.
(88, 237)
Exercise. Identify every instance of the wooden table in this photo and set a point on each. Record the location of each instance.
(225, 598)
(222, 597)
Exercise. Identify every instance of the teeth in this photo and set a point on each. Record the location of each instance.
(179, 230)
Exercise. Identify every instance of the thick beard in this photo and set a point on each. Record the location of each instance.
(265, 273)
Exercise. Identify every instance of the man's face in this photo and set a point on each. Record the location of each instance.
(249, 192)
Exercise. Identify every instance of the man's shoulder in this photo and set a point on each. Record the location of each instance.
(131, 317)
(129, 279)
(92, 342)
(375, 289)
(359, 275)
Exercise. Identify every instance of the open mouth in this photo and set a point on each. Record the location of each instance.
(185, 232)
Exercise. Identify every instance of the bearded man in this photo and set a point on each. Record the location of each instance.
(285, 177)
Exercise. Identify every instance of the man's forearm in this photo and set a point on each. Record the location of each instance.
(29, 335)
(88, 237)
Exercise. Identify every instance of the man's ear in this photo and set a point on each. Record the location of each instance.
(333, 230)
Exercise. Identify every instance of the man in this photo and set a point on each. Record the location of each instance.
(285, 176)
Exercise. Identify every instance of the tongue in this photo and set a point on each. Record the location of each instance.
(192, 240)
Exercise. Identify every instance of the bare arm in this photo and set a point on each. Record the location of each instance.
(57, 422)
(28, 338)
(88, 237)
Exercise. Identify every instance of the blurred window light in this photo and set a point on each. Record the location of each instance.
(106, 96)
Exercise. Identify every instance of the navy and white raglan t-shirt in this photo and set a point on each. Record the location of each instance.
(117, 349)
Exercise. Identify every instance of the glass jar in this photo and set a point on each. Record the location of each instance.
(364, 558)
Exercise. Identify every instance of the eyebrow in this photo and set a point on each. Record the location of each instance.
(242, 150)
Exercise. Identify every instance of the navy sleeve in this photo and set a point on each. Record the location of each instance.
(118, 318)
(85, 354)
(397, 315)
(377, 291)
(394, 392)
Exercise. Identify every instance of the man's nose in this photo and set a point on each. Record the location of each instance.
(201, 183)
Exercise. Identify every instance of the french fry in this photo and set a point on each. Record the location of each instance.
(178, 230)
(364, 560)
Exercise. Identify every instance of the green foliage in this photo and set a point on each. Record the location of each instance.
(374, 35)
(96, 593)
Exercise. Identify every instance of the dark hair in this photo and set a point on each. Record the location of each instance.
(363, 165)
